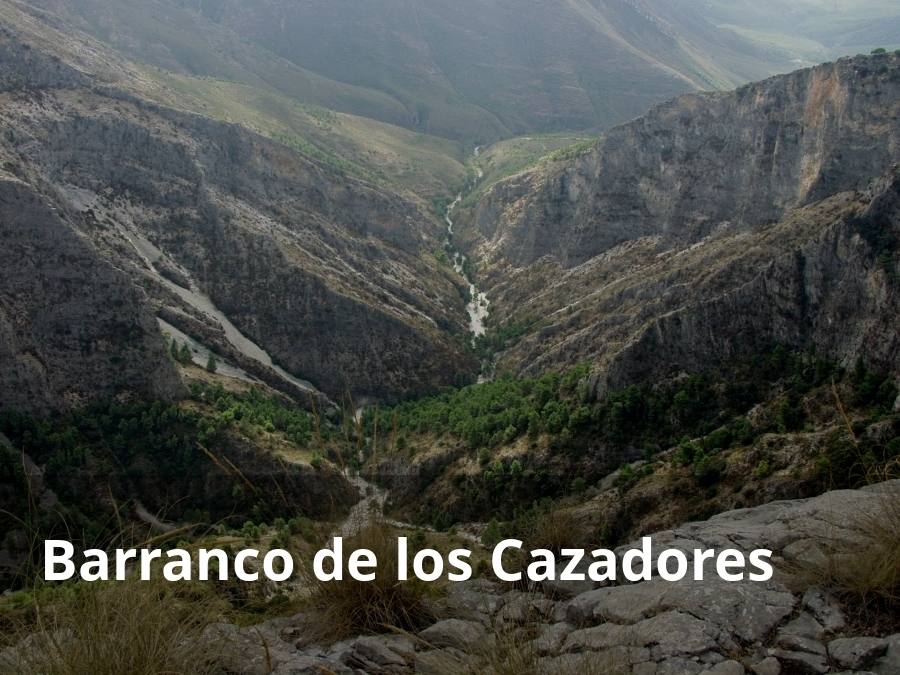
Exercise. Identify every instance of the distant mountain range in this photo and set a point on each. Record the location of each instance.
(480, 70)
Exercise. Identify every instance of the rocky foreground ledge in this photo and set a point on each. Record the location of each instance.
(649, 628)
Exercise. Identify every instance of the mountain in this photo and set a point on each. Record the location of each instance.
(259, 252)
(309, 273)
(471, 71)
(405, 160)
(713, 224)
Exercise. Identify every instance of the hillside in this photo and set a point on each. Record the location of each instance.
(463, 70)
(810, 29)
(238, 241)
(393, 156)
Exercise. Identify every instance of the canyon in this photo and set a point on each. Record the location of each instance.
(261, 289)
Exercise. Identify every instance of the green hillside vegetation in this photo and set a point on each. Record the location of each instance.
(505, 158)
(531, 437)
(98, 460)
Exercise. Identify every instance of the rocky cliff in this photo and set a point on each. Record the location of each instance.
(714, 225)
(706, 161)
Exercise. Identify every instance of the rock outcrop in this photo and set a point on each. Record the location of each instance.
(652, 627)
(705, 161)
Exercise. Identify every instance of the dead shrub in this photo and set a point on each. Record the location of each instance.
(865, 570)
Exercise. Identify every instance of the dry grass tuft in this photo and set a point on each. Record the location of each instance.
(865, 572)
(555, 530)
(349, 607)
(512, 652)
(141, 628)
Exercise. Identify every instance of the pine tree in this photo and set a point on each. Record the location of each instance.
(211, 365)
(185, 354)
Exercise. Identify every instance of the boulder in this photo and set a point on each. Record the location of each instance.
(856, 653)
(551, 638)
(456, 633)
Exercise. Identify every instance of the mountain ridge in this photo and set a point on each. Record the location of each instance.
(456, 71)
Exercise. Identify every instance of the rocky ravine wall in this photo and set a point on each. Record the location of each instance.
(331, 275)
(703, 160)
(713, 227)
(835, 294)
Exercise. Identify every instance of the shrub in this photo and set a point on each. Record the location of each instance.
(790, 415)
(686, 452)
(553, 529)
(708, 469)
(763, 469)
(484, 457)
(626, 477)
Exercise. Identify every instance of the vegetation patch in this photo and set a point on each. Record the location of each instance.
(348, 607)
(546, 437)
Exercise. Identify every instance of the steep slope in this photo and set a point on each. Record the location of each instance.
(274, 258)
(376, 151)
(474, 71)
(670, 218)
(174, 36)
(72, 327)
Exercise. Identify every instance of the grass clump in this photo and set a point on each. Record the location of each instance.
(123, 627)
(864, 569)
(349, 607)
(513, 652)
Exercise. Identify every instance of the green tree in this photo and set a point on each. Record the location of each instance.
(173, 351)
(211, 364)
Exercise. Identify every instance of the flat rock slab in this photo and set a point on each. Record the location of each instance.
(746, 610)
(666, 635)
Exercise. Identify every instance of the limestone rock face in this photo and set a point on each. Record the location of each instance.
(704, 161)
(716, 225)
(834, 292)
